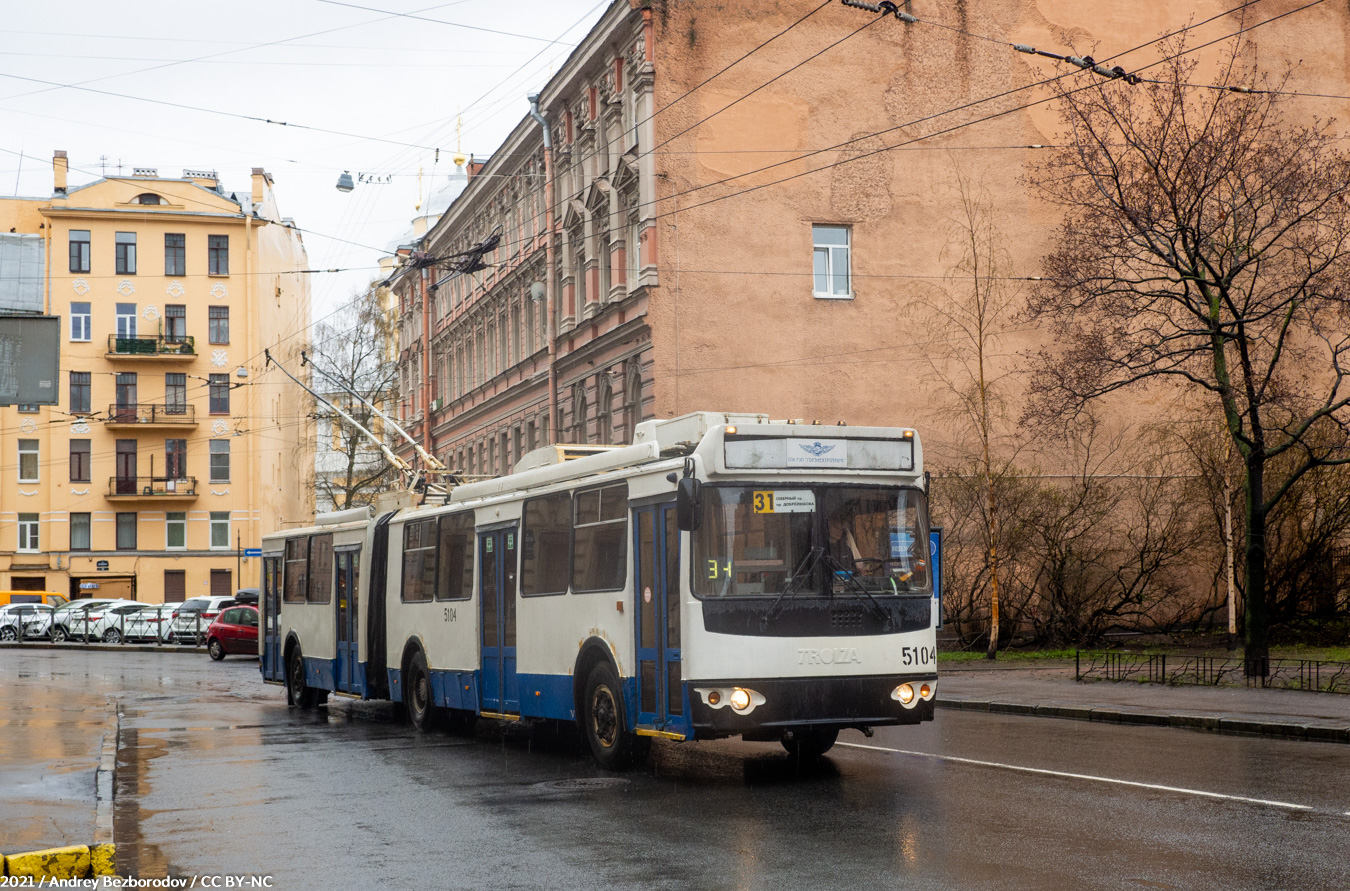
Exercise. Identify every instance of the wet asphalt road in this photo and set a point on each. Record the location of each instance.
(216, 775)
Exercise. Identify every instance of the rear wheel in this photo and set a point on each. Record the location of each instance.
(112, 636)
(807, 745)
(8, 633)
(604, 723)
(422, 710)
(302, 696)
(59, 634)
(215, 649)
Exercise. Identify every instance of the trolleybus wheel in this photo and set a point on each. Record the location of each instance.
(215, 649)
(422, 710)
(603, 720)
(806, 745)
(302, 696)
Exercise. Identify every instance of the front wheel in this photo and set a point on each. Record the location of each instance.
(8, 633)
(807, 745)
(604, 723)
(216, 650)
(60, 634)
(302, 695)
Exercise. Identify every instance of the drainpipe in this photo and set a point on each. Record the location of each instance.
(548, 275)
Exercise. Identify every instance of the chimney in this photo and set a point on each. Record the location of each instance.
(261, 180)
(60, 167)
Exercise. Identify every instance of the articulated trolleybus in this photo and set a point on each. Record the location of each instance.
(723, 575)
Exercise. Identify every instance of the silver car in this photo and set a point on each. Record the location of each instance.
(70, 620)
(149, 623)
(193, 616)
(23, 620)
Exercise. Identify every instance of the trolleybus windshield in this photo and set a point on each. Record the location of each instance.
(811, 541)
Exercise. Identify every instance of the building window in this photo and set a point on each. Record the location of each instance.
(175, 530)
(175, 254)
(79, 321)
(125, 243)
(218, 254)
(175, 459)
(175, 322)
(830, 261)
(126, 531)
(220, 460)
(148, 198)
(219, 324)
(28, 532)
(126, 320)
(79, 392)
(79, 250)
(79, 461)
(79, 532)
(28, 408)
(219, 389)
(220, 529)
(175, 393)
(28, 460)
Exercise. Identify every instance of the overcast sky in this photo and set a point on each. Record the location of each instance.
(370, 75)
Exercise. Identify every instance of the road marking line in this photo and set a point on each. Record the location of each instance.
(1085, 776)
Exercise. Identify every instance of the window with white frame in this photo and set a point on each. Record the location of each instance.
(28, 532)
(126, 320)
(79, 321)
(220, 529)
(175, 530)
(28, 460)
(831, 274)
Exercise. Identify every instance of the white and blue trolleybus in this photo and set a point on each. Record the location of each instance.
(724, 575)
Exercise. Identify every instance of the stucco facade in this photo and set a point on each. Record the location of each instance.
(172, 446)
(701, 170)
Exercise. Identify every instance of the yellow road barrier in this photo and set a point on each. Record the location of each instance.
(73, 862)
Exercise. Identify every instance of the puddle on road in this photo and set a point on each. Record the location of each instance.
(135, 856)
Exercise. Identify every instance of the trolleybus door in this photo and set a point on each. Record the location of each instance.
(497, 591)
(271, 660)
(657, 556)
(348, 676)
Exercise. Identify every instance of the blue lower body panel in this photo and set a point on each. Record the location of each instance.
(455, 689)
(547, 696)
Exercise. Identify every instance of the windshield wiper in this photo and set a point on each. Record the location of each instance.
(851, 583)
(803, 570)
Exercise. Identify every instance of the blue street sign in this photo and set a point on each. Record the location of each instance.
(252, 552)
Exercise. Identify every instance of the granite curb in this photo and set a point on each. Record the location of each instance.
(1205, 723)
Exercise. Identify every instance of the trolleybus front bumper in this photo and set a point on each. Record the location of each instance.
(865, 701)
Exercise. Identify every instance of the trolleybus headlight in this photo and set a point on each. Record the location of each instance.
(740, 699)
(925, 692)
(904, 694)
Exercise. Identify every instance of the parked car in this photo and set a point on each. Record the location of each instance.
(150, 622)
(108, 623)
(66, 620)
(235, 630)
(194, 616)
(17, 619)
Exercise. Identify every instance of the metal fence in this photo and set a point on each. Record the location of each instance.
(150, 627)
(1312, 675)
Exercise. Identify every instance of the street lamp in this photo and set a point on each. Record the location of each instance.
(345, 182)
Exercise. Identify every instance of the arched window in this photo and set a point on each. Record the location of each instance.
(604, 414)
(147, 198)
(632, 399)
(578, 413)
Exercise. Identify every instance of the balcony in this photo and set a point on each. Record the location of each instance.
(145, 415)
(152, 346)
(152, 488)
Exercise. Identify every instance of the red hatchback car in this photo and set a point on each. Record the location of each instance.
(235, 630)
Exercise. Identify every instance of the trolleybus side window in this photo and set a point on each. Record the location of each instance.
(546, 532)
(455, 572)
(296, 579)
(419, 560)
(600, 539)
(321, 569)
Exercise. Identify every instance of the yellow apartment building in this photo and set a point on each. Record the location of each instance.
(173, 448)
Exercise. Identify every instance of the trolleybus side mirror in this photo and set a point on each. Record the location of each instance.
(688, 495)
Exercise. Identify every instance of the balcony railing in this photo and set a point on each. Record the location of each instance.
(152, 487)
(151, 413)
(151, 345)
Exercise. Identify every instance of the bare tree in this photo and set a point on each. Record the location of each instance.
(354, 348)
(975, 304)
(1205, 246)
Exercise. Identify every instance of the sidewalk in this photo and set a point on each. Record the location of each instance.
(56, 761)
(1052, 692)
